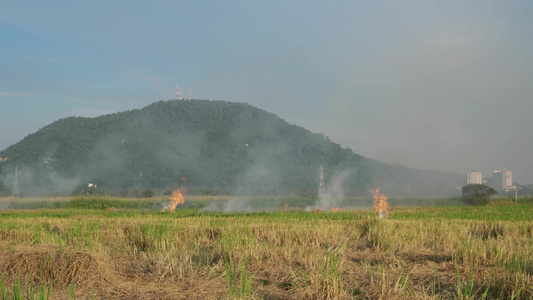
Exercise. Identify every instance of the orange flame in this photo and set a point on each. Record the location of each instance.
(335, 209)
(175, 199)
(380, 204)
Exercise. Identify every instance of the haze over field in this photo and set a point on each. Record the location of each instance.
(431, 85)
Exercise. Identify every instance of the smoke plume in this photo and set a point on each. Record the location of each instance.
(33, 182)
(334, 194)
(232, 205)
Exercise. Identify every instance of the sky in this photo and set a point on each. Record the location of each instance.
(441, 85)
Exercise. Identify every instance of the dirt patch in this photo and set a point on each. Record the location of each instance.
(369, 256)
(421, 256)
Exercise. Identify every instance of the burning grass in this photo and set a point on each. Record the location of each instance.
(434, 252)
(176, 198)
(380, 204)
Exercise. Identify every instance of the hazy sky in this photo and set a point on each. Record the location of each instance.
(444, 85)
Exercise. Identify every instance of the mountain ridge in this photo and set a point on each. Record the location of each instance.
(220, 147)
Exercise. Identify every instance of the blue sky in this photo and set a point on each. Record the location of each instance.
(443, 85)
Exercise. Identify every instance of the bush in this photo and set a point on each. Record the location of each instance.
(94, 203)
(477, 194)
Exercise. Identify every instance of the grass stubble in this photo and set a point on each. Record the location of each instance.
(417, 253)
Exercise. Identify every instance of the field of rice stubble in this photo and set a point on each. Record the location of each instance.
(434, 252)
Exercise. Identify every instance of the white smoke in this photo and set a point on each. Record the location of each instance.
(34, 183)
(232, 205)
(334, 194)
(4, 205)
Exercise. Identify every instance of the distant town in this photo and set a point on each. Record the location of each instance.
(501, 180)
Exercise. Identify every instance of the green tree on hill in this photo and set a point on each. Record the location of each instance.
(221, 147)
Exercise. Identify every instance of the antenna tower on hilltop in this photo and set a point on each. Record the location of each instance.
(321, 186)
(189, 93)
(179, 92)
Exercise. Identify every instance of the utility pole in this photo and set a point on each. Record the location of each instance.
(321, 186)
(16, 185)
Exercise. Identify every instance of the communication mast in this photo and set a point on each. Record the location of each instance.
(16, 185)
(179, 92)
(321, 186)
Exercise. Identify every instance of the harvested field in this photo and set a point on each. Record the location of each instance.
(417, 253)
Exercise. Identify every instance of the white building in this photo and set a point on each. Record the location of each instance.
(502, 179)
(474, 177)
(507, 179)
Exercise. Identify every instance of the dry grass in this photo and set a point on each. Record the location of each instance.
(293, 255)
(59, 266)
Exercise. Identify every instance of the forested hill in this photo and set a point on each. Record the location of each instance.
(206, 146)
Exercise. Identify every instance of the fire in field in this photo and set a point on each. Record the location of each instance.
(176, 198)
(380, 204)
